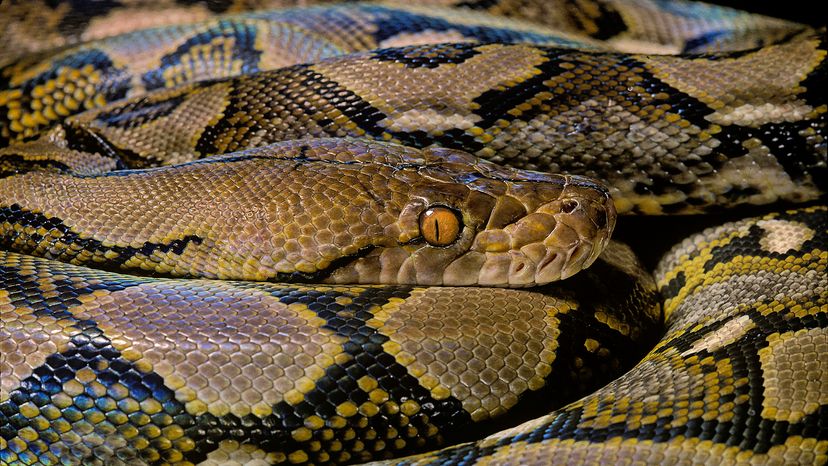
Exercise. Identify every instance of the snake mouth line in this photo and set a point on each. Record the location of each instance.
(326, 273)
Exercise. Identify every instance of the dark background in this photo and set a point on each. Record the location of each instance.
(808, 12)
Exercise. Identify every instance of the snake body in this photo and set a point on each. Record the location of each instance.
(745, 306)
(203, 355)
(132, 64)
(668, 134)
(694, 27)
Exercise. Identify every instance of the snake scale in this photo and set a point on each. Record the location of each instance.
(279, 237)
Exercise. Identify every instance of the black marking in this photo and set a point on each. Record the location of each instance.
(428, 57)
(338, 385)
(697, 46)
(115, 83)
(493, 104)
(704, 41)
(80, 13)
(238, 102)
(747, 430)
(369, 359)
(23, 218)
(140, 112)
(477, 4)
(353, 106)
(393, 22)
(83, 139)
(243, 37)
(294, 100)
(321, 275)
(816, 82)
(28, 289)
(15, 164)
(802, 156)
(216, 6)
(243, 156)
(604, 24)
(91, 350)
(748, 245)
(98, 59)
(662, 94)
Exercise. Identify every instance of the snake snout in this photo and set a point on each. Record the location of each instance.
(560, 236)
(585, 218)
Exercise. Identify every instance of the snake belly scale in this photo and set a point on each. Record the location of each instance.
(279, 237)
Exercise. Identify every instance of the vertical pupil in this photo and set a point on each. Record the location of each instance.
(436, 230)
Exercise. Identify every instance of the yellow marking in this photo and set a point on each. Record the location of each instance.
(196, 407)
(29, 410)
(305, 385)
(150, 406)
(347, 409)
(612, 322)
(314, 422)
(344, 300)
(409, 408)
(391, 347)
(185, 444)
(337, 422)
(591, 345)
(302, 434)
(298, 456)
(94, 416)
(368, 409)
(378, 396)
(367, 383)
(429, 381)
(73, 388)
(28, 434)
(261, 410)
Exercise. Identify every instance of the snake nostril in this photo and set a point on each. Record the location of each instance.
(568, 206)
(601, 221)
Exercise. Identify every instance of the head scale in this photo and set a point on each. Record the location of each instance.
(466, 221)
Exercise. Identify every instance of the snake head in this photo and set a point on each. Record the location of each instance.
(465, 221)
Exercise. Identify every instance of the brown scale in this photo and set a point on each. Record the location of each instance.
(662, 142)
(233, 351)
(33, 27)
(739, 377)
(638, 26)
(50, 153)
(334, 210)
(43, 89)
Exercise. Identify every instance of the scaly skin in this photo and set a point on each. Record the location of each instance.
(103, 368)
(36, 92)
(186, 371)
(739, 377)
(667, 134)
(632, 26)
(328, 210)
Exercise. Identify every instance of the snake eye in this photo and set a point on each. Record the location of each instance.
(440, 226)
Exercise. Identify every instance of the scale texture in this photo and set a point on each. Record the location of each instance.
(220, 247)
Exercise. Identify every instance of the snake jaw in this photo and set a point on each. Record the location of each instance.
(581, 236)
(555, 240)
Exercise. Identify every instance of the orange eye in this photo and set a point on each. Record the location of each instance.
(440, 226)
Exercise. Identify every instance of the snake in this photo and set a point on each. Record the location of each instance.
(373, 256)
(29, 27)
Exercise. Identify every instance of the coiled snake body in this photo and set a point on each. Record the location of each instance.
(308, 265)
